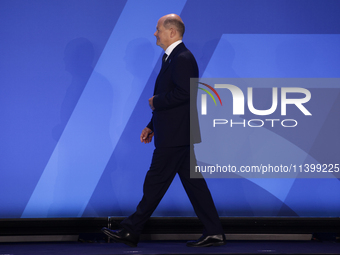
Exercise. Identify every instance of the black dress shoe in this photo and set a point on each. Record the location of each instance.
(121, 236)
(205, 241)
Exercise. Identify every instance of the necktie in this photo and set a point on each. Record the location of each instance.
(164, 57)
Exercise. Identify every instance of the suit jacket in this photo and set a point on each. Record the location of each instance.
(171, 118)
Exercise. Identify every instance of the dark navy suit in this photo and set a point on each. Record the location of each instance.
(171, 125)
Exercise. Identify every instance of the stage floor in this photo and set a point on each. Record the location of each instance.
(171, 247)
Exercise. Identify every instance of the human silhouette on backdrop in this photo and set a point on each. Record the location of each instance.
(78, 58)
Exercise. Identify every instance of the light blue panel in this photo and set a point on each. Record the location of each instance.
(102, 112)
(265, 56)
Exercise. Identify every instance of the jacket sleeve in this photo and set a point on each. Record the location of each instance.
(150, 125)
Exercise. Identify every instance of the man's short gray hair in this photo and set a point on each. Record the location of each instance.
(178, 24)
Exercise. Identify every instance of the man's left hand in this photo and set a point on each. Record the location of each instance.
(151, 103)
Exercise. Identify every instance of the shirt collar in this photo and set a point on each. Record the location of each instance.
(171, 48)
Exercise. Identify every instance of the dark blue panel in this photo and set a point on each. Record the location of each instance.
(206, 21)
(48, 50)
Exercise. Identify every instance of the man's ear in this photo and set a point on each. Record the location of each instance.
(173, 32)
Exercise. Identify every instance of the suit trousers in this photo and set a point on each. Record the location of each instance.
(166, 162)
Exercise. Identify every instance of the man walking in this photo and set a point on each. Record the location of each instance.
(170, 128)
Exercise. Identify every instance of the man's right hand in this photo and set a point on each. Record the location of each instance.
(146, 136)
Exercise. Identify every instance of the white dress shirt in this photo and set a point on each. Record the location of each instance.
(171, 48)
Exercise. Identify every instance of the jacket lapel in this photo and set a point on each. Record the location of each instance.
(168, 62)
(169, 59)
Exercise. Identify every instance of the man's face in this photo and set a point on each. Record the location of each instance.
(162, 34)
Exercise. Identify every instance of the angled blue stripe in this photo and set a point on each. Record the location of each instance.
(101, 114)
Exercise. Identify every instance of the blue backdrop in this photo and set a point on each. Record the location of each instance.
(74, 83)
